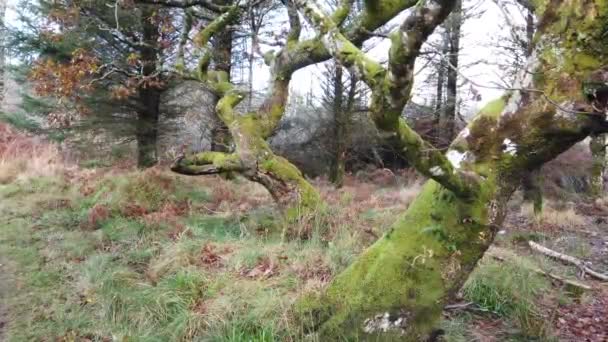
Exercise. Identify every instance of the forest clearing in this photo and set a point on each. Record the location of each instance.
(120, 254)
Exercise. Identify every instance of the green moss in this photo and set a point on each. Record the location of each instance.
(424, 252)
(308, 197)
(494, 108)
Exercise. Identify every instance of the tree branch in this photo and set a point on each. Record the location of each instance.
(207, 4)
(385, 110)
(207, 163)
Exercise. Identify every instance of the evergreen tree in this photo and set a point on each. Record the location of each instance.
(104, 63)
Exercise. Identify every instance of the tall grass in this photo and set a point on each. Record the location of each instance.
(512, 291)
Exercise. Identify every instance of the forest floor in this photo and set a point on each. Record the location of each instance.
(122, 255)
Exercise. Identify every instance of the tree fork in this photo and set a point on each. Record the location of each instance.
(252, 157)
(397, 288)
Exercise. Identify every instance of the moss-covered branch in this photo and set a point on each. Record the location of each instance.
(295, 27)
(217, 80)
(253, 157)
(396, 289)
(208, 163)
(405, 47)
(341, 13)
(386, 113)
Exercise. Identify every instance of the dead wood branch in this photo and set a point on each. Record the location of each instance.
(568, 259)
(504, 255)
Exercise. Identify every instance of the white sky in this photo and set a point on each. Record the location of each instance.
(478, 34)
(477, 37)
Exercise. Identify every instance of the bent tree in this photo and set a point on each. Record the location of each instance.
(397, 288)
(253, 157)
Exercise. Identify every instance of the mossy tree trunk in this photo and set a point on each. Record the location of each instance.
(253, 157)
(221, 140)
(397, 288)
(597, 145)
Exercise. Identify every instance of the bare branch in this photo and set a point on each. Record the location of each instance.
(385, 110)
(207, 4)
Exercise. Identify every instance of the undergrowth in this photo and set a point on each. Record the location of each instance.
(99, 255)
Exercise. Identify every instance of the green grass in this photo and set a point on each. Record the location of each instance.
(131, 278)
(128, 279)
(509, 290)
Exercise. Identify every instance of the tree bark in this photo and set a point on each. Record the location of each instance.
(147, 128)
(221, 141)
(397, 288)
(532, 181)
(448, 121)
(341, 123)
(149, 95)
(532, 188)
(439, 89)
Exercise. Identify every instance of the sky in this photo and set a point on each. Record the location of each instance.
(478, 34)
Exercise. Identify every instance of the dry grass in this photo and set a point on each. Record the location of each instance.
(554, 217)
(24, 157)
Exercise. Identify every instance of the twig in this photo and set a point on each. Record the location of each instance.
(498, 87)
(458, 306)
(569, 259)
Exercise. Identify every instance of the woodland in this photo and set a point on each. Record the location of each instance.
(303, 170)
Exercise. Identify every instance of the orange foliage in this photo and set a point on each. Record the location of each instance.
(65, 80)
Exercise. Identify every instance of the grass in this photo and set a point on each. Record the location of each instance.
(512, 291)
(155, 257)
(170, 259)
(565, 217)
(151, 256)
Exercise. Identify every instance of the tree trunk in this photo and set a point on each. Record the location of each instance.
(532, 182)
(396, 289)
(448, 121)
(533, 192)
(336, 174)
(221, 141)
(147, 128)
(597, 145)
(149, 95)
(442, 67)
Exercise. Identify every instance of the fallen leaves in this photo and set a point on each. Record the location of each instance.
(585, 322)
